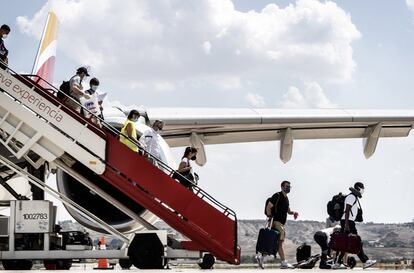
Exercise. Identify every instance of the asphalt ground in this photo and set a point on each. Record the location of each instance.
(220, 268)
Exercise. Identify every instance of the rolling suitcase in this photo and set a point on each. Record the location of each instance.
(345, 242)
(303, 252)
(268, 240)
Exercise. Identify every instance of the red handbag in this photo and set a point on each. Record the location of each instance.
(345, 242)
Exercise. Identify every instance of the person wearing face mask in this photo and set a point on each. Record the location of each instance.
(352, 214)
(277, 210)
(92, 104)
(76, 89)
(150, 139)
(186, 170)
(129, 131)
(4, 32)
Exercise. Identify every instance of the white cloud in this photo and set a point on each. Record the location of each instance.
(293, 99)
(410, 4)
(164, 86)
(202, 41)
(207, 47)
(312, 97)
(255, 100)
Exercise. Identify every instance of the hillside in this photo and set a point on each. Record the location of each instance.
(381, 241)
(384, 242)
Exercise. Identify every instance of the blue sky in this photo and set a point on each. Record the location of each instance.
(192, 55)
(381, 80)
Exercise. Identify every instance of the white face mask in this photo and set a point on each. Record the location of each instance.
(4, 36)
(361, 191)
(94, 87)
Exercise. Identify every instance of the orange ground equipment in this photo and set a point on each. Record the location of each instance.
(103, 262)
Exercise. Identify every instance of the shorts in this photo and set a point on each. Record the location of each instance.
(281, 228)
(73, 105)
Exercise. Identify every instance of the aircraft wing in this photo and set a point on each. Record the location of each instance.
(200, 126)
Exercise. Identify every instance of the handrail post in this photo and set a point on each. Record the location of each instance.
(110, 128)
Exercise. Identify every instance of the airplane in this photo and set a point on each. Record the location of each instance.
(198, 127)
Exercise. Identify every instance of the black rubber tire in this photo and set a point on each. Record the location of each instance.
(17, 264)
(208, 261)
(351, 262)
(57, 264)
(125, 263)
(146, 251)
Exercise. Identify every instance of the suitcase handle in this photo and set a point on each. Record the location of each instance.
(269, 223)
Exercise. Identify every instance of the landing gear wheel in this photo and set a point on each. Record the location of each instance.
(208, 261)
(17, 264)
(57, 264)
(146, 251)
(125, 263)
(351, 262)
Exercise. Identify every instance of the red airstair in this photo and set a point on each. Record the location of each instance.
(209, 225)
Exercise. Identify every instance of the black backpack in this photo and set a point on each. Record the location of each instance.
(267, 202)
(274, 207)
(303, 252)
(335, 207)
(65, 90)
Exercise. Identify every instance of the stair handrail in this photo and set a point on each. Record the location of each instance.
(226, 210)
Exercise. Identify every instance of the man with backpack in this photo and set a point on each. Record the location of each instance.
(335, 209)
(277, 209)
(352, 214)
(74, 89)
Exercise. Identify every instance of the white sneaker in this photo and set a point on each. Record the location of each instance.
(338, 266)
(285, 265)
(369, 263)
(260, 260)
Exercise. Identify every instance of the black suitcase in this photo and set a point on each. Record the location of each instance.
(267, 241)
(303, 252)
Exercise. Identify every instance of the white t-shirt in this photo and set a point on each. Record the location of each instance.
(187, 164)
(328, 232)
(92, 104)
(76, 80)
(186, 161)
(351, 200)
(151, 140)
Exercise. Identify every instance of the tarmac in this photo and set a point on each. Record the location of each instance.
(194, 269)
(241, 270)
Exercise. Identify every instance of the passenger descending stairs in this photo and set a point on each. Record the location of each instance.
(33, 119)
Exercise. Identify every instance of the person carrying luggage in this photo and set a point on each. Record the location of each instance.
(278, 208)
(352, 214)
(322, 238)
(187, 178)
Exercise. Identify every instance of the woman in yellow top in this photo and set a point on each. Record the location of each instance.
(129, 130)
